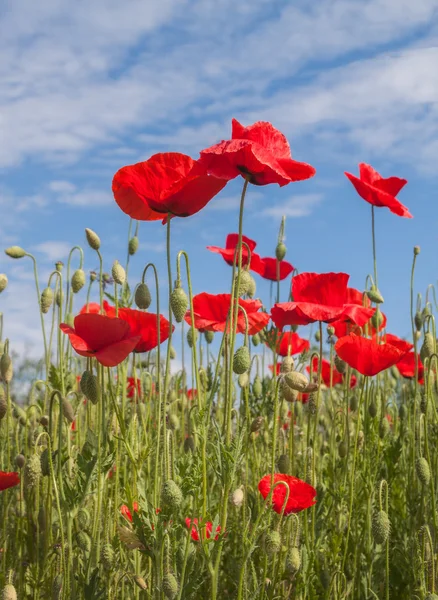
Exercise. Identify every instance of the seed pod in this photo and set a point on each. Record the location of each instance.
(68, 411)
(172, 353)
(179, 303)
(244, 283)
(32, 471)
(293, 561)
(427, 348)
(170, 586)
(423, 470)
(280, 251)
(241, 360)
(372, 408)
(374, 295)
(107, 557)
(118, 273)
(190, 339)
(256, 339)
(3, 403)
(6, 370)
(257, 424)
(83, 518)
(340, 365)
(59, 298)
(15, 252)
(93, 239)
(189, 444)
(272, 543)
(143, 298)
(9, 592)
(209, 336)
(283, 463)
(3, 282)
(78, 280)
(384, 428)
(380, 527)
(257, 388)
(343, 449)
(93, 389)
(171, 495)
(57, 587)
(418, 320)
(287, 365)
(20, 461)
(84, 541)
(140, 582)
(237, 497)
(296, 381)
(133, 245)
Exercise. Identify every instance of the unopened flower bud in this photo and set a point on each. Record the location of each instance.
(209, 336)
(140, 582)
(280, 251)
(287, 364)
(256, 339)
(9, 592)
(15, 252)
(77, 280)
(317, 335)
(380, 527)
(340, 365)
(84, 541)
(179, 303)
(190, 339)
(423, 470)
(243, 380)
(257, 424)
(68, 411)
(283, 463)
(237, 497)
(416, 250)
(293, 561)
(59, 265)
(189, 444)
(170, 586)
(246, 282)
(32, 471)
(374, 295)
(241, 360)
(3, 404)
(330, 330)
(257, 387)
(427, 348)
(118, 273)
(3, 282)
(143, 296)
(6, 370)
(133, 245)
(107, 557)
(46, 300)
(171, 495)
(377, 319)
(296, 380)
(93, 239)
(93, 276)
(272, 543)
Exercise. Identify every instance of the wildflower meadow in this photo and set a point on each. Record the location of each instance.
(293, 454)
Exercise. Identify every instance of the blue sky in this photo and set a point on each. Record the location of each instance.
(88, 87)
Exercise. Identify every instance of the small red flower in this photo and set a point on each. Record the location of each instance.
(317, 297)
(211, 312)
(125, 512)
(259, 152)
(108, 339)
(144, 324)
(365, 355)
(301, 494)
(330, 376)
(8, 480)
(133, 387)
(378, 191)
(229, 251)
(267, 268)
(291, 343)
(169, 182)
(406, 367)
(208, 528)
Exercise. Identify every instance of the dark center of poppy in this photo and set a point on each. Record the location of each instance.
(250, 176)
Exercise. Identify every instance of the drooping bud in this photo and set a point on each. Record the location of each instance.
(59, 298)
(354, 403)
(283, 464)
(118, 273)
(171, 495)
(78, 280)
(20, 461)
(252, 287)
(93, 239)
(9, 592)
(237, 497)
(209, 336)
(427, 348)
(173, 422)
(32, 471)
(243, 380)
(172, 353)
(286, 392)
(380, 527)
(83, 518)
(342, 449)
(296, 381)
(317, 335)
(372, 408)
(3, 282)
(140, 582)
(170, 586)
(179, 302)
(69, 319)
(15, 252)
(374, 295)
(107, 557)
(6, 370)
(241, 360)
(190, 339)
(257, 387)
(418, 320)
(133, 245)
(143, 298)
(280, 251)
(257, 424)
(68, 411)
(377, 319)
(340, 365)
(287, 364)
(423, 470)
(293, 561)
(244, 283)
(84, 541)
(46, 300)
(416, 250)
(402, 412)
(272, 543)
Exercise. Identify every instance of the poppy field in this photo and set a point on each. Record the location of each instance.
(294, 454)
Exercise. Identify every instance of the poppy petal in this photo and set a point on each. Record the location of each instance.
(114, 354)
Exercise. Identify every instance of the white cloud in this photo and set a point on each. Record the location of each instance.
(297, 206)
(53, 250)
(86, 198)
(63, 187)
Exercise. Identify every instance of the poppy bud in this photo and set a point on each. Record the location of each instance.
(6, 370)
(237, 497)
(428, 346)
(340, 365)
(272, 543)
(173, 422)
(3, 282)
(330, 330)
(118, 273)
(384, 428)
(342, 449)
(256, 339)
(283, 464)
(257, 424)
(296, 381)
(418, 320)
(59, 265)
(280, 251)
(9, 592)
(241, 360)
(243, 380)
(423, 470)
(3, 404)
(402, 412)
(59, 298)
(78, 280)
(20, 461)
(32, 471)
(143, 298)
(380, 527)
(374, 295)
(46, 300)
(140, 582)
(209, 336)
(93, 239)
(15, 252)
(246, 283)
(179, 303)
(190, 339)
(84, 541)
(170, 586)
(107, 557)
(68, 411)
(372, 408)
(93, 276)
(423, 403)
(293, 561)
(69, 319)
(133, 245)
(287, 364)
(83, 518)
(171, 495)
(189, 444)
(317, 335)
(354, 403)
(377, 319)
(257, 388)
(416, 250)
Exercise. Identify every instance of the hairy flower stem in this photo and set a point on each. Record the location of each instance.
(169, 346)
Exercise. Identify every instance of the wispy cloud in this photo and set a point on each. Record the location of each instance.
(295, 207)
(53, 250)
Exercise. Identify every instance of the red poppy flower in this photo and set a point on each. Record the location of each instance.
(406, 366)
(108, 339)
(192, 393)
(228, 252)
(94, 308)
(277, 368)
(353, 319)
(365, 355)
(303, 398)
(211, 312)
(267, 268)
(378, 191)
(301, 494)
(394, 340)
(133, 387)
(330, 376)
(290, 343)
(169, 182)
(316, 298)
(125, 512)
(259, 152)
(8, 480)
(144, 324)
(208, 528)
